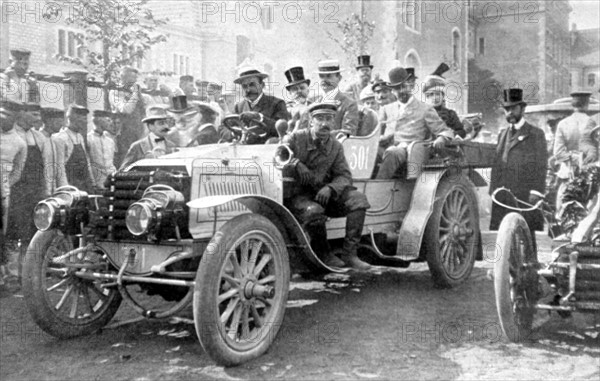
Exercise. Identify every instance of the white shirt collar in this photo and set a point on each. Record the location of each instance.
(330, 96)
(253, 104)
(520, 124)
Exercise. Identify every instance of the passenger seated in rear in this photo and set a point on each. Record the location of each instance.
(405, 121)
(326, 187)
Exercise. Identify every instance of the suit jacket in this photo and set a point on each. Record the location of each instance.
(346, 118)
(523, 170)
(271, 108)
(567, 136)
(587, 145)
(139, 150)
(418, 121)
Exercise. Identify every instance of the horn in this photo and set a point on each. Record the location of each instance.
(283, 155)
(441, 70)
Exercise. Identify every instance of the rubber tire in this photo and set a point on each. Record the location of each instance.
(206, 311)
(504, 305)
(430, 244)
(35, 297)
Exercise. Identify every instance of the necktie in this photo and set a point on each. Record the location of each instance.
(159, 140)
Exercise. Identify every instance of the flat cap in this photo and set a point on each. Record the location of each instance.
(322, 108)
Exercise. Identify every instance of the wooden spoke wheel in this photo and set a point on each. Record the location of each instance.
(452, 234)
(515, 278)
(241, 290)
(61, 303)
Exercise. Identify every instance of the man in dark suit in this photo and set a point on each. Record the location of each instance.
(521, 163)
(346, 118)
(258, 108)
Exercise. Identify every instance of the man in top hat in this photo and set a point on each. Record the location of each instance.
(367, 116)
(101, 147)
(154, 145)
(406, 121)
(13, 153)
(521, 163)
(72, 160)
(34, 185)
(364, 70)
(346, 119)
(258, 108)
(195, 124)
(434, 89)
(14, 85)
(326, 187)
(54, 120)
(129, 103)
(298, 89)
(152, 94)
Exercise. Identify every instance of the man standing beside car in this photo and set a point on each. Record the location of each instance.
(521, 163)
(326, 187)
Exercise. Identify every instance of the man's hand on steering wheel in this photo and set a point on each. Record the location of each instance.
(247, 117)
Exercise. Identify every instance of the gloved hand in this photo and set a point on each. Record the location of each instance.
(304, 174)
(324, 195)
(249, 116)
(439, 143)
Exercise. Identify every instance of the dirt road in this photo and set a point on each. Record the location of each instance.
(385, 324)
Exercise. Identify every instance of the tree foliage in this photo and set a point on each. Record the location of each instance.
(115, 33)
(485, 93)
(356, 33)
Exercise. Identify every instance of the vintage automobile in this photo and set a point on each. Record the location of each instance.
(209, 226)
(569, 283)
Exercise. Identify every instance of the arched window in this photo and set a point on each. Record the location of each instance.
(591, 80)
(412, 59)
(456, 46)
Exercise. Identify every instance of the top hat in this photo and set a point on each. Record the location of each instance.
(364, 61)
(249, 72)
(440, 70)
(397, 76)
(411, 73)
(155, 112)
(50, 113)
(180, 104)
(513, 97)
(295, 76)
(19, 52)
(367, 93)
(581, 94)
(102, 114)
(329, 67)
(322, 108)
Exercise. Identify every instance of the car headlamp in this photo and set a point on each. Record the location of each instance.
(157, 202)
(52, 212)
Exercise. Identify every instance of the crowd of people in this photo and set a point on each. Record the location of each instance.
(45, 148)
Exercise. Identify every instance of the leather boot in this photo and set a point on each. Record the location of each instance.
(318, 241)
(354, 224)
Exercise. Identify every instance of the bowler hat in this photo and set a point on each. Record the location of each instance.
(179, 103)
(328, 67)
(295, 76)
(364, 61)
(397, 76)
(322, 108)
(513, 97)
(50, 113)
(155, 112)
(249, 72)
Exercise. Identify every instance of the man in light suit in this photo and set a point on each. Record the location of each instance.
(406, 121)
(346, 118)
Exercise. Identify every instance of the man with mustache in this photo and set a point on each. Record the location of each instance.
(154, 144)
(298, 89)
(521, 163)
(406, 121)
(72, 160)
(258, 108)
(364, 70)
(346, 117)
(326, 187)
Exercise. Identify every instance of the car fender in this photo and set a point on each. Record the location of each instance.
(301, 254)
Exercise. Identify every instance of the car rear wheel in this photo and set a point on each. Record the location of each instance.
(61, 303)
(241, 290)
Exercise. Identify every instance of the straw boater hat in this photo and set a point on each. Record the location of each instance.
(249, 72)
(295, 76)
(435, 81)
(329, 67)
(155, 112)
